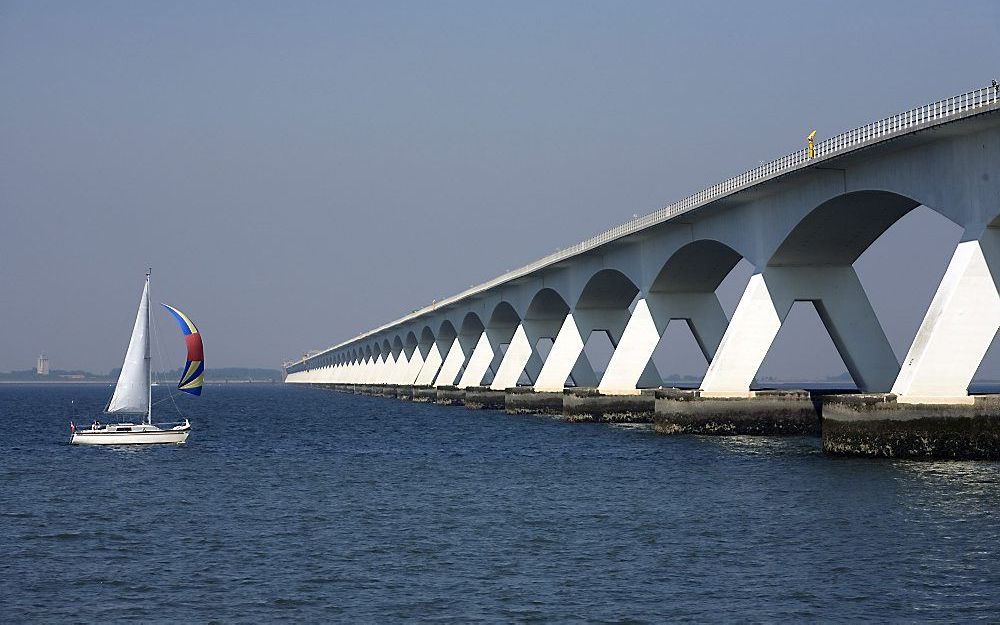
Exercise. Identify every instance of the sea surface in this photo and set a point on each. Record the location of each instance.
(302, 505)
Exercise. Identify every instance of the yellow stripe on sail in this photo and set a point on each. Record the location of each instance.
(195, 383)
(192, 367)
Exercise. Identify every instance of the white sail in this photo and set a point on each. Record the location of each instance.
(132, 390)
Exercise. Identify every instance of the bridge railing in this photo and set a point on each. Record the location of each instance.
(883, 129)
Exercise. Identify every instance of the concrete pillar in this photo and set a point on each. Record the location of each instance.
(452, 364)
(367, 374)
(751, 331)
(479, 362)
(534, 365)
(842, 305)
(959, 326)
(566, 359)
(522, 356)
(399, 371)
(518, 354)
(387, 371)
(414, 364)
(631, 367)
(432, 364)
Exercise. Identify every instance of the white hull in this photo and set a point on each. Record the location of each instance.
(130, 434)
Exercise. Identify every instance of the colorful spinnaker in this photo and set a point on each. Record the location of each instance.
(194, 371)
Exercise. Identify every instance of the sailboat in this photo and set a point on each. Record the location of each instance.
(133, 392)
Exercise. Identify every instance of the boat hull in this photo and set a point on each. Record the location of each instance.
(149, 437)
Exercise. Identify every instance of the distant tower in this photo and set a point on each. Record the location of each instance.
(43, 365)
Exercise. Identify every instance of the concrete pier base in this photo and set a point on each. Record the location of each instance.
(878, 425)
(524, 400)
(450, 396)
(404, 392)
(388, 390)
(484, 398)
(424, 394)
(588, 404)
(762, 413)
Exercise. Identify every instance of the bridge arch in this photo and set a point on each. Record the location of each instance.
(603, 307)
(698, 266)
(446, 331)
(683, 290)
(840, 229)
(607, 288)
(532, 342)
(813, 262)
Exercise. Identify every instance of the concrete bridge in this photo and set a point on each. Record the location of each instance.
(801, 221)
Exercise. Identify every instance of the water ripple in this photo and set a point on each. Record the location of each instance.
(292, 505)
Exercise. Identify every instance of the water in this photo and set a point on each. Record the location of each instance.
(304, 505)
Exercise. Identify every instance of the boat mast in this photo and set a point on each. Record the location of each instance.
(149, 368)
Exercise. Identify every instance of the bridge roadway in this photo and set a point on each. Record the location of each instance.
(801, 221)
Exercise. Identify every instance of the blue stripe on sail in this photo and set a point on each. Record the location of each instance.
(181, 321)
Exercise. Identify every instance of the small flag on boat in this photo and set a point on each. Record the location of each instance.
(193, 375)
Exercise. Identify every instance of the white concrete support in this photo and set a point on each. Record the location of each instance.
(631, 358)
(856, 332)
(479, 363)
(399, 371)
(386, 371)
(413, 366)
(631, 367)
(566, 360)
(959, 326)
(383, 373)
(843, 307)
(432, 364)
(452, 365)
(518, 354)
(533, 367)
(751, 331)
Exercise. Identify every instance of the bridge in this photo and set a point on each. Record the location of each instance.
(801, 221)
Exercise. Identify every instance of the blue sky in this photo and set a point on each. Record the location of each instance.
(298, 172)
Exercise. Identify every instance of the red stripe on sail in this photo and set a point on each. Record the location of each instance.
(196, 351)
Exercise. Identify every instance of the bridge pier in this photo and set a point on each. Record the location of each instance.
(589, 404)
(878, 425)
(842, 305)
(484, 398)
(450, 396)
(424, 394)
(525, 400)
(762, 413)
